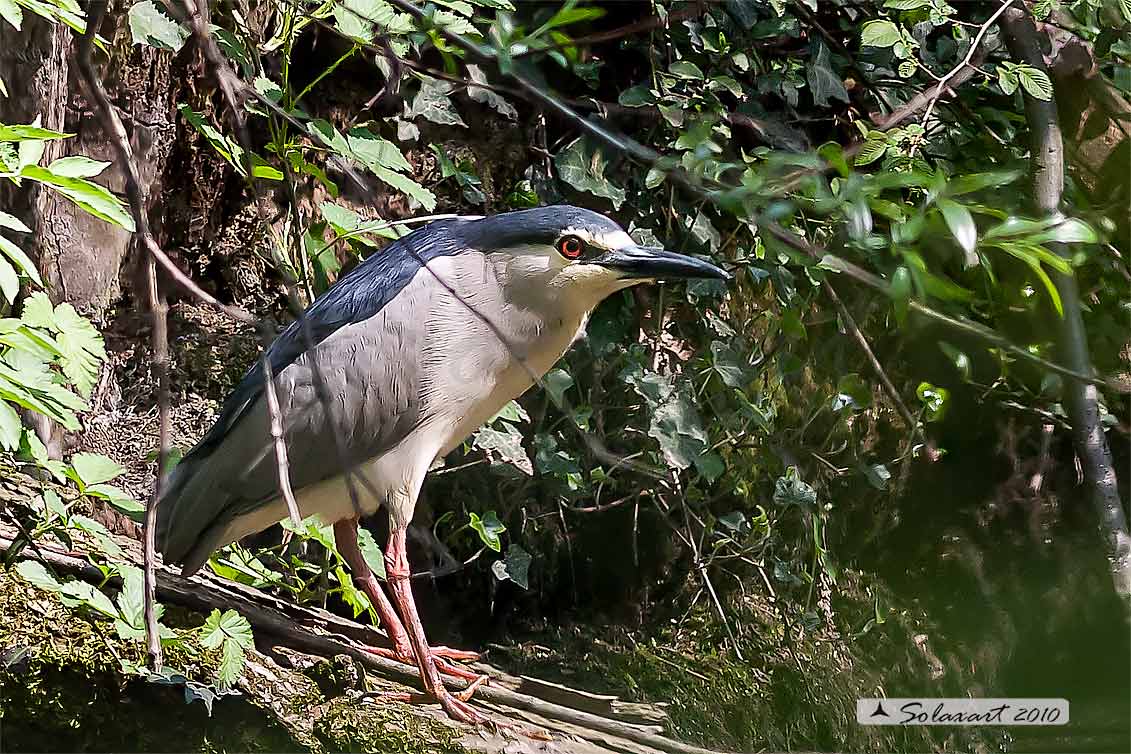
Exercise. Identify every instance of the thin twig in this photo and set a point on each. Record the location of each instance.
(945, 80)
(281, 463)
(96, 11)
(889, 388)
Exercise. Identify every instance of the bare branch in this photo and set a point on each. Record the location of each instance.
(112, 122)
(1082, 399)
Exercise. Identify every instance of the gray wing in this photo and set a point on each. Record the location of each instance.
(366, 347)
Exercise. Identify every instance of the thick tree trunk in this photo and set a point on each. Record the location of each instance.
(1082, 399)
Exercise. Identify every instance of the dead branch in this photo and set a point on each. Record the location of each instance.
(317, 632)
(121, 143)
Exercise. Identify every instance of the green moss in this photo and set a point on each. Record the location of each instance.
(62, 688)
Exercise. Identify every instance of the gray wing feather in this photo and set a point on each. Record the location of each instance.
(369, 373)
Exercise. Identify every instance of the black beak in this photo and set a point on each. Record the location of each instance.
(655, 264)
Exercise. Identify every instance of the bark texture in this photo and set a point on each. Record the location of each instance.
(1082, 399)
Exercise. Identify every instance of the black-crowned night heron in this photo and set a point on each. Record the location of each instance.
(411, 362)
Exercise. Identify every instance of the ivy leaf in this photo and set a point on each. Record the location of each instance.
(230, 632)
(489, 528)
(556, 382)
(432, 103)
(504, 447)
(962, 227)
(880, 34)
(488, 97)
(150, 26)
(677, 427)
(514, 567)
(791, 490)
(584, 168)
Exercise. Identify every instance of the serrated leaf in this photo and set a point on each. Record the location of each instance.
(1034, 81)
(489, 528)
(149, 25)
(872, 149)
(232, 633)
(371, 150)
(33, 572)
(881, 33)
(584, 169)
(411, 188)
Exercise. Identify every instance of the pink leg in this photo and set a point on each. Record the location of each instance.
(397, 573)
(345, 536)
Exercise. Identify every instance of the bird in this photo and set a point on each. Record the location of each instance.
(386, 372)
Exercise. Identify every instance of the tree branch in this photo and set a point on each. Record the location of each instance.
(1082, 398)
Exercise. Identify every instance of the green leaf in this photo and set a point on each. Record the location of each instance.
(119, 499)
(678, 428)
(584, 168)
(962, 227)
(880, 34)
(94, 468)
(9, 281)
(22, 260)
(556, 382)
(935, 400)
(11, 13)
(409, 187)
(357, 19)
(232, 632)
(1071, 230)
(852, 392)
(504, 447)
(372, 151)
(790, 490)
(90, 196)
(76, 593)
(685, 69)
(514, 567)
(370, 550)
(33, 132)
(10, 428)
(488, 97)
(512, 412)
(824, 83)
(13, 223)
(966, 184)
(33, 572)
(872, 149)
(906, 4)
(489, 528)
(1035, 82)
(149, 25)
(432, 103)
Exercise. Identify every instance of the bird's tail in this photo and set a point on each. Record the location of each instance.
(184, 519)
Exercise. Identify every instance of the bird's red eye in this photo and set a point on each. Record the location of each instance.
(571, 247)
